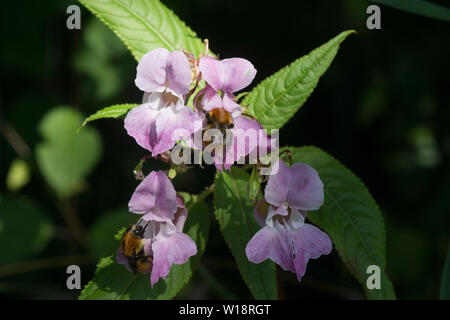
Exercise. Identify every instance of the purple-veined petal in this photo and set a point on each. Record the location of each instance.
(281, 211)
(158, 100)
(305, 188)
(271, 243)
(237, 74)
(212, 71)
(174, 124)
(211, 100)
(140, 123)
(230, 74)
(245, 138)
(178, 72)
(276, 191)
(151, 216)
(230, 105)
(169, 249)
(309, 243)
(155, 195)
(180, 215)
(151, 70)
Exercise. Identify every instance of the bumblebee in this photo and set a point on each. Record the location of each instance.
(219, 119)
(132, 245)
(219, 116)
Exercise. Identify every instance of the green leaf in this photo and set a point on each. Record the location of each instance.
(104, 60)
(64, 158)
(277, 98)
(254, 184)
(145, 25)
(351, 218)
(445, 283)
(115, 111)
(234, 213)
(113, 281)
(24, 229)
(421, 7)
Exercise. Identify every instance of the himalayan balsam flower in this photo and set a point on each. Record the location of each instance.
(156, 200)
(223, 78)
(285, 238)
(165, 77)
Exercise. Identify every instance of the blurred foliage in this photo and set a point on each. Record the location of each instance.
(24, 229)
(64, 158)
(381, 109)
(100, 60)
(18, 175)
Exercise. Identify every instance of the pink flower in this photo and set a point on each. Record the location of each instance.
(164, 214)
(223, 78)
(285, 238)
(247, 136)
(165, 77)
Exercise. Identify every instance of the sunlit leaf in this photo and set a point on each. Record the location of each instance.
(277, 98)
(115, 111)
(144, 25)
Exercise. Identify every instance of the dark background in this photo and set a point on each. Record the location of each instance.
(382, 109)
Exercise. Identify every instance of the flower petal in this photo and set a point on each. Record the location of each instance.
(272, 243)
(212, 71)
(156, 195)
(180, 215)
(230, 105)
(140, 124)
(260, 212)
(178, 72)
(245, 139)
(238, 73)
(276, 191)
(230, 74)
(210, 100)
(309, 243)
(151, 70)
(174, 124)
(305, 188)
(122, 259)
(169, 249)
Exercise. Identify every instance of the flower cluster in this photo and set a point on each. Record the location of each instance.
(164, 119)
(168, 79)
